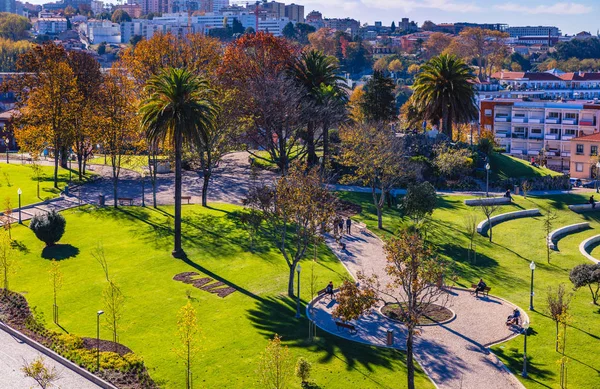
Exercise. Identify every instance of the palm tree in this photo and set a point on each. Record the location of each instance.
(179, 108)
(444, 89)
(317, 74)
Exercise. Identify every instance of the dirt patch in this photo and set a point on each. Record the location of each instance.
(106, 345)
(433, 314)
(348, 209)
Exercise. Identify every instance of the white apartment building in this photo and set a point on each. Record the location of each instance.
(529, 128)
(50, 26)
(519, 31)
(99, 31)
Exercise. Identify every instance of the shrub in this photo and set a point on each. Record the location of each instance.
(587, 275)
(303, 368)
(49, 227)
(486, 146)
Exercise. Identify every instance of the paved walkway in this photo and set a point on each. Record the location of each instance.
(454, 355)
(13, 355)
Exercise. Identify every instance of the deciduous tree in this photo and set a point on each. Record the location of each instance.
(416, 276)
(558, 306)
(420, 201)
(488, 208)
(276, 365)
(187, 329)
(43, 375)
(587, 275)
(7, 259)
(56, 280)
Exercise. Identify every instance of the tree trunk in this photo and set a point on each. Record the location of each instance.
(410, 364)
(291, 281)
(64, 157)
(56, 165)
(325, 145)
(177, 250)
(557, 336)
(447, 123)
(490, 231)
(80, 166)
(206, 180)
(115, 186)
(311, 153)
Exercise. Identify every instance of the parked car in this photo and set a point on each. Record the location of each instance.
(576, 182)
(592, 184)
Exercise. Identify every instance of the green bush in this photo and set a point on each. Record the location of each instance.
(303, 368)
(49, 227)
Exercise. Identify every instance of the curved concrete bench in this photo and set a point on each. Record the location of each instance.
(488, 200)
(558, 233)
(584, 207)
(583, 247)
(483, 226)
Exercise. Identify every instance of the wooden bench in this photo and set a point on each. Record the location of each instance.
(486, 290)
(350, 327)
(123, 200)
(188, 198)
(324, 291)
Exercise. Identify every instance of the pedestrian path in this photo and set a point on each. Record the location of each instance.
(455, 354)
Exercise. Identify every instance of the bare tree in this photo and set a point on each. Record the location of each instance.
(7, 259)
(558, 306)
(549, 218)
(526, 187)
(7, 219)
(416, 283)
(56, 279)
(45, 376)
(112, 296)
(187, 329)
(488, 208)
(470, 225)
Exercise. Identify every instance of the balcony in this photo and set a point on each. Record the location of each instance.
(568, 137)
(570, 121)
(536, 120)
(536, 136)
(552, 136)
(552, 120)
(504, 119)
(502, 135)
(565, 154)
(519, 120)
(519, 136)
(584, 122)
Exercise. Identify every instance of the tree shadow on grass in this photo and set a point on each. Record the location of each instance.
(60, 252)
(513, 359)
(20, 246)
(276, 315)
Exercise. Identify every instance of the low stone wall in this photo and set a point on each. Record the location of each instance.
(584, 207)
(483, 226)
(488, 200)
(558, 233)
(583, 247)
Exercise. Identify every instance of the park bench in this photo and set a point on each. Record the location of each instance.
(124, 200)
(188, 198)
(323, 292)
(350, 327)
(486, 290)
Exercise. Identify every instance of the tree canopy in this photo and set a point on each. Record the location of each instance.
(13, 26)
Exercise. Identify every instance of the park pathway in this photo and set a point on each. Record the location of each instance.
(454, 355)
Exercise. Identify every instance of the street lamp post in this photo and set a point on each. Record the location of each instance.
(143, 189)
(532, 267)
(596, 180)
(98, 339)
(487, 179)
(525, 329)
(298, 270)
(20, 192)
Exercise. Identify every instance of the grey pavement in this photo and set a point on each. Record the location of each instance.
(13, 355)
(455, 354)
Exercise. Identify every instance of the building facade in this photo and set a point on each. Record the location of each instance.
(50, 26)
(584, 157)
(540, 31)
(539, 128)
(295, 13)
(348, 25)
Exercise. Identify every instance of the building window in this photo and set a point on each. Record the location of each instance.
(579, 150)
(569, 115)
(536, 130)
(570, 132)
(488, 127)
(578, 166)
(488, 112)
(594, 150)
(554, 131)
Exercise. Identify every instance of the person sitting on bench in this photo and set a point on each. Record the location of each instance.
(515, 318)
(507, 195)
(329, 289)
(480, 287)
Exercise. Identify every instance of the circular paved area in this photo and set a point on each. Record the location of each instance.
(455, 354)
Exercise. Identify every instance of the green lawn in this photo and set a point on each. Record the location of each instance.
(131, 162)
(504, 265)
(268, 164)
(234, 330)
(505, 166)
(14, 176)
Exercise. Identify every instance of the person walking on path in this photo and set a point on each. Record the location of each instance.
(341, 225)
(349, 226)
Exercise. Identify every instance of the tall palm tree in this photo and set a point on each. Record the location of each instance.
(178, 109)
(318, 75)
(444, 89)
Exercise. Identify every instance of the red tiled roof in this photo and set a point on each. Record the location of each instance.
(595, 137)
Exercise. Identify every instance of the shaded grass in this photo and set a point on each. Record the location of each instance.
(234, 330)
(504, 265)
(505, 166)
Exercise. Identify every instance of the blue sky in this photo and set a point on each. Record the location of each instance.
(570, 16)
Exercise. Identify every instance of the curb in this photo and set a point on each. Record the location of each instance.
(63, 361)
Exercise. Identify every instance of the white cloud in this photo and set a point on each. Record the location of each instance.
(554, 9)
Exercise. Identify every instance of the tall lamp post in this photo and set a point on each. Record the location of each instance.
(487, 179)
(525, 329)
(143, 189)
(98, 339)
(596, 175)
(20, 192)
(70, 165)
(298, 270)
(532, 267)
